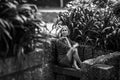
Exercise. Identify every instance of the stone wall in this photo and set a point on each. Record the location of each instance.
(29, 67)
(88, 52)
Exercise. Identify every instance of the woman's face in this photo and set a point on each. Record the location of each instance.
(65, 32)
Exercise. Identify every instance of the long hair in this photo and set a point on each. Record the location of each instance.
(60, 33)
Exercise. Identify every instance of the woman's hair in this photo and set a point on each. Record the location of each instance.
(63, 27)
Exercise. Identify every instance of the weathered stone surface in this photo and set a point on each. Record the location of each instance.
(81, 52)
(103, 72)
(13, 64)
(88, 52)
(103, 67)
(85, 52)
(111, 59)
(29, 67)
(95, 72)
(98, 52)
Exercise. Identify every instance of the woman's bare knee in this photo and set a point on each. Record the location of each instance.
(70, 54)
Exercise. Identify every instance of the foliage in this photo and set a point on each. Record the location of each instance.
(92, 25)
(23, 32)
(18, 29)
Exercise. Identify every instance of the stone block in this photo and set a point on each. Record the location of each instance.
(13, 68)
(103, 72)
(97, 52)
(88, 52)
(99, 71)
(81, 52)
(60, 77)
(85, 52)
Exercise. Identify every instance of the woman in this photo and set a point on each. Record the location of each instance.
(67, 50)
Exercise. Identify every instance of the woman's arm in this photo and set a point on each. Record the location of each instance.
(69, 43)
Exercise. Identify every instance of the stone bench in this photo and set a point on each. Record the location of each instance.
(96, 72)
(104, 67)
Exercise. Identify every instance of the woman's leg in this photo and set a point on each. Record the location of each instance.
(75, 65)
(70, 54)
(73, 55)
(76, 56)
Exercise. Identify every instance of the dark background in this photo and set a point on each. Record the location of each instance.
(48, 3)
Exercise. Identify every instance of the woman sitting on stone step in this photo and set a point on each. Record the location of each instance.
(66, 50)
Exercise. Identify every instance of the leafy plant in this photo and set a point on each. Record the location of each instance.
(92, 25)
(18, 29)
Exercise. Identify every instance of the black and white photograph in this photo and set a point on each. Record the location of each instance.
(59, 40)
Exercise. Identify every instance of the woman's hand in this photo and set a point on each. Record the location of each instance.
(75, 45)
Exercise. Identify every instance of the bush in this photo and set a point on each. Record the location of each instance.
(92, 25)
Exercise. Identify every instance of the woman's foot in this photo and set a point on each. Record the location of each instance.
(76, 67)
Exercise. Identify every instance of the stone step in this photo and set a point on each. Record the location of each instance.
(96, 72)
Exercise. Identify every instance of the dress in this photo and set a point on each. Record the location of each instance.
(62, 49)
